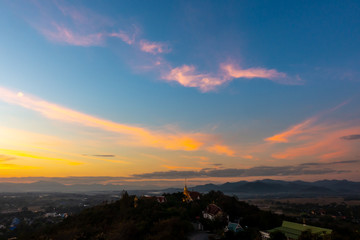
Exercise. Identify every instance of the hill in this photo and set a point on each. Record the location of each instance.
(151, 220)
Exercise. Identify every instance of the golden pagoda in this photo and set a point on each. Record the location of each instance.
(187, 197)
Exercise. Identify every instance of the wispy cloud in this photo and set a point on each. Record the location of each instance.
(317, 137)
(153, 47)
(292, 131)
(188, 76)
(25, 154)
(180, 167)
(234, 71)
(307, 126)
(222, 150)
(104, 155)
(4, 158)
(137, 135)
(202, 158)
(124, 37)
(62, 34)
(5, 165)
(78, 26)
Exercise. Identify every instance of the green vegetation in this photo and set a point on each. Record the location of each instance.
(152, 220)
(174, 219)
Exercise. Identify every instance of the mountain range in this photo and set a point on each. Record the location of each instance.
(242, 189)
(278, 188)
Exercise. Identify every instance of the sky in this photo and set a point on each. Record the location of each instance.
(137, 92)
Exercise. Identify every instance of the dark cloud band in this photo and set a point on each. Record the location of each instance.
(351, 137)
(302, 169)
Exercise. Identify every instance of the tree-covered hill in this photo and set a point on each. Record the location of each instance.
(153, 220)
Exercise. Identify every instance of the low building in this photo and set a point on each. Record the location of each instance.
(160, 199)
(212, 212)
(293, 230)
(233, 227)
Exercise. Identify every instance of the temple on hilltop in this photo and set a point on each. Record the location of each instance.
(190, 196)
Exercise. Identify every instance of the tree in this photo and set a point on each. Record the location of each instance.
(307, 235)
(277, 236)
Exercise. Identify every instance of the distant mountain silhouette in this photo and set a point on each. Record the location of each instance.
(260, 188)
(280, 188)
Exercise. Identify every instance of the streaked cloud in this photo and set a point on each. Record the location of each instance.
(309, 125)
(222, 150)
(180, 167)
(137, 135)
(62, 34)
(25, 154)
(236, 72)
(217, 164)
(351, 137)
(187, 76)
(233, 71)
(100, 155)
(316, 137)
(104, 155)
(321, 141)
(4, 158)
(123, 36)
(153, 47)
(5, 165)
(292, 131)
(79, 26)
(202, 158)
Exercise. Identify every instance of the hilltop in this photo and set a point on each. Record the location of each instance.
(149, 219)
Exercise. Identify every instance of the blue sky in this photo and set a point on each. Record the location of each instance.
(179, 86)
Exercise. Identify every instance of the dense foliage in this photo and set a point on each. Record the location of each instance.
(148, 219)
(152, 220)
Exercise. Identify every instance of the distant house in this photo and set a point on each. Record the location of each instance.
(233, 227)
(160, 199)
(293, 230)
(212, 212)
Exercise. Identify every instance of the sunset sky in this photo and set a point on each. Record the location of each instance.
(159, 91)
